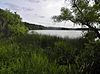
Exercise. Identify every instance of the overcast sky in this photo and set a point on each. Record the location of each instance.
(36, 11)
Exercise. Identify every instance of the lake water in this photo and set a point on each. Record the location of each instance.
(58, 33)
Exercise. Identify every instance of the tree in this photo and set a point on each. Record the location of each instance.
(82, 12)
(11, 24)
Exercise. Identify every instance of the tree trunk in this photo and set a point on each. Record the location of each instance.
(95, 30)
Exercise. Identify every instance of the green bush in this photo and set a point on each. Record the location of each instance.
(11, 24)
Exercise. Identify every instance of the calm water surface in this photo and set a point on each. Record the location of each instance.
(59, 33)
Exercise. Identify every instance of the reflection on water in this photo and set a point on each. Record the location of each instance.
(59, 33)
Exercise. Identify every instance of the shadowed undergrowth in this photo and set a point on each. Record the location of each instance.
(37, 54)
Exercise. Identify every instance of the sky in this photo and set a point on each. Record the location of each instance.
(37, 11)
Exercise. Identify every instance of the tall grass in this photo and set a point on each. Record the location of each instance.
(40, 54)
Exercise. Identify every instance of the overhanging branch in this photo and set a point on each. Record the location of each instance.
(87, 24)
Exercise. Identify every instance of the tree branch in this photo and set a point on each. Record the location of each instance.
(94, 29)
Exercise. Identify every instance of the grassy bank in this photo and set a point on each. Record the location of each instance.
(37, 54)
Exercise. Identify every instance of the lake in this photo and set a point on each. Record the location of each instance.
(59, 33)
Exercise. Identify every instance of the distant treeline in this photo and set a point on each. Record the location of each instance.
(34, 26)
(40, 27)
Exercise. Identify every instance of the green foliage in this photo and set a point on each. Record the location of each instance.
(89, 58)
(11, 23)
(13, 60)
(29, 54)
(82, 12)
(35, 54)
(65, 15)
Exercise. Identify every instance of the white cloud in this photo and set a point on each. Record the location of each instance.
(36, 11)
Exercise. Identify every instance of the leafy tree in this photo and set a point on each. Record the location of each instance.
(11, 24)
(82, 12)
